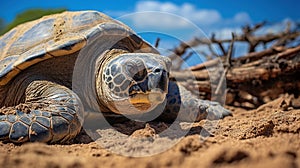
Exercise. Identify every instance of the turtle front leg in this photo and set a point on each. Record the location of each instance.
(182, 104)
(51, 113)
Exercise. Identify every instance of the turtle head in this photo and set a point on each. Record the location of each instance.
(135, 83)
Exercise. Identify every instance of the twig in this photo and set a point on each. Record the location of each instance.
(228, 64)
(157, 42)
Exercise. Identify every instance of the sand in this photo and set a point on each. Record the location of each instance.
(268, 136)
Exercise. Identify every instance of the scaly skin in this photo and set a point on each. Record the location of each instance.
(55, 119)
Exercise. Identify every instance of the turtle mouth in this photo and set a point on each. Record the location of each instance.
(146, 100)
(146, 94)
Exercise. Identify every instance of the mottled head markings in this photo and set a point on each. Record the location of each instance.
(138, 79)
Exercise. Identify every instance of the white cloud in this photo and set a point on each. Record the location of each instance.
(242, 17)
(186, 10)
(155, 6)
(159, 20)
(171, 16)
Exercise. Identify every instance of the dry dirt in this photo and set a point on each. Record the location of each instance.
(268, 136)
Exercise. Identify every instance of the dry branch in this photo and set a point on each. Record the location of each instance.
(252, 79)
(281, 40)
(255, 79)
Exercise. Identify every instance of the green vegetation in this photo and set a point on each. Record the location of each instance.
(26, 16)
(1, 24)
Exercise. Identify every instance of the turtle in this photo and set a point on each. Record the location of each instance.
(117, 72)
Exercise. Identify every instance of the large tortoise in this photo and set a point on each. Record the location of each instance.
(121, 74)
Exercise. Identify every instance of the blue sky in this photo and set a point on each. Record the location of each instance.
(273, 10)
(191, 17)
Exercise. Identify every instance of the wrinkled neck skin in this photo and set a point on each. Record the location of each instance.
(85, 76)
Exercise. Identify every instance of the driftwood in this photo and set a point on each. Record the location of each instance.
(252, 79)
(253, 83)
(276, 40)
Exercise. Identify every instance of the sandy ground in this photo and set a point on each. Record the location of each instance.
(264, 137)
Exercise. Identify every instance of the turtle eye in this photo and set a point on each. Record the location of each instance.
(136, 69)
(131, 68)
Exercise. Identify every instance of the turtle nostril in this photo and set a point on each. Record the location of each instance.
(157, 70)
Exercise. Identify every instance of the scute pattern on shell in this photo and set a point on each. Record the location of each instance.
(51, 36)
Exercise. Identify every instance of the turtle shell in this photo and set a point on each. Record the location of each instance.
(53, 36)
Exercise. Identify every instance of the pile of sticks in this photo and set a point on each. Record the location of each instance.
(251, 80)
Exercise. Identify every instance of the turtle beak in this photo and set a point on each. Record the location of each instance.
(158, 80)
(150, 92)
